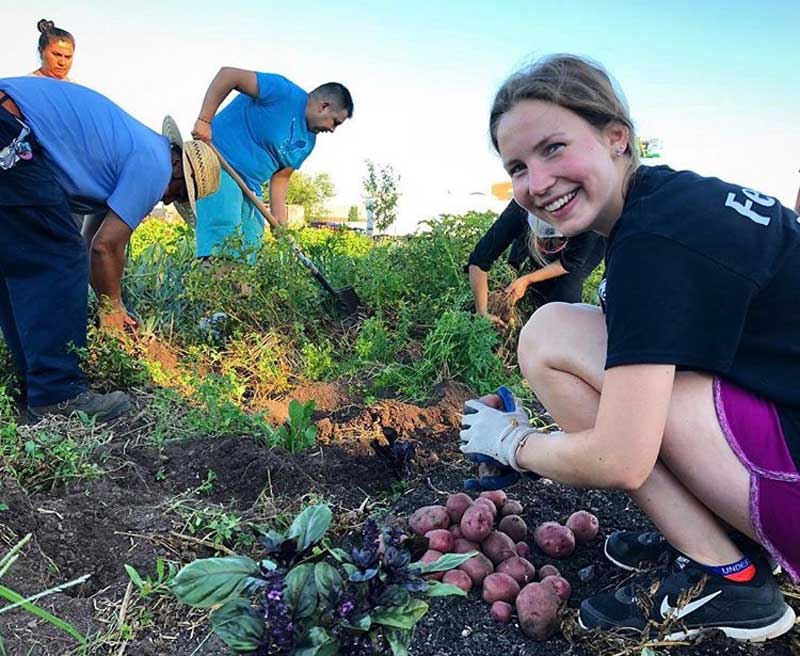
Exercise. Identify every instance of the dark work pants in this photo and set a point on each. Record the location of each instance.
(43, 276)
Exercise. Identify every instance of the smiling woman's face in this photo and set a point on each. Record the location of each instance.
(563, 170)
(57, 58)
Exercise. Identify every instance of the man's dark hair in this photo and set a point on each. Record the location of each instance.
(336, 94)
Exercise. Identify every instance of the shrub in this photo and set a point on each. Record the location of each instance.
(158, 232)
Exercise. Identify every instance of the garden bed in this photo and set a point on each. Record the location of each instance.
(195, 497)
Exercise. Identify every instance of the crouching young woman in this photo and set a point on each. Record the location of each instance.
(684, 392)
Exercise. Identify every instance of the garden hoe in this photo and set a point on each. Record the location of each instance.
(347, 301)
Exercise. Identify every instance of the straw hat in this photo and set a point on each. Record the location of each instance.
(200, 169)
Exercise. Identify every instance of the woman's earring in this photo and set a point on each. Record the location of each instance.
(618, 152)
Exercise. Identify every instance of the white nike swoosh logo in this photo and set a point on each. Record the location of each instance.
(678, 613)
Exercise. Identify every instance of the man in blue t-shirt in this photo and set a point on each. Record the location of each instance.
(265, 133)
(65, 148)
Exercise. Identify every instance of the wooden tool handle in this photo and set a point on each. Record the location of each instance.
(246, 190)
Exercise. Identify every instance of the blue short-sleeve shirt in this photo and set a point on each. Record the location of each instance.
(260, 136)
(101, 156)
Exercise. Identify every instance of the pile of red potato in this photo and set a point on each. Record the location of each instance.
(492, 526)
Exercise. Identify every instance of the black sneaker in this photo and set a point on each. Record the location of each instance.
(101, 406)
(636, 551)
(689, 601)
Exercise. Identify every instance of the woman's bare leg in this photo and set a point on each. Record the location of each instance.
(697, 479)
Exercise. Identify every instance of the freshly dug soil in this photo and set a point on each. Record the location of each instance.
(132, 515)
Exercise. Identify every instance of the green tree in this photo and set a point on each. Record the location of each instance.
(352, 215)
(381, 193)
(311, 192)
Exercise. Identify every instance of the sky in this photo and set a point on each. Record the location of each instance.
(716, 81)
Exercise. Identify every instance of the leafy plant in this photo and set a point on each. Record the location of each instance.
(153, 586)
(112, 361)
(214, 525)
(47, 456)
(298, 433)
(309, 601)
(219, 413)
(459, 347)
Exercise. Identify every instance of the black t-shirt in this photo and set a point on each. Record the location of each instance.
(580, 255)
(705, 275)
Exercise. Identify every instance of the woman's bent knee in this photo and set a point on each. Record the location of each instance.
(562, 336)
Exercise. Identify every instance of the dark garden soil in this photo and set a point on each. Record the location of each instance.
(137, 512)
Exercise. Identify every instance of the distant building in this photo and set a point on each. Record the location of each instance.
(502, 191)
(338, 217)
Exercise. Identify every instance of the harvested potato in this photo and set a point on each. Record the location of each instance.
(560, 586)
(498, 547)
(501, 612)
(477, 522)
(497, 497)
(537, 609)
(429, 518)
(555, 540)
(458, 578)
(455, 529)
(488, 503)
(460, 545)
(431, 556)
(514, 527)
(456, 505)
(584, 526)
(499, 587)
(511, 507)
(519, 569)
(440, 539)
(523, 549)
(478, 568)
(548, 570)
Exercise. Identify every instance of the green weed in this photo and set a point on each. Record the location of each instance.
(214, 525)
(298, 433)
(112, 362)
(52, 453)
(219, 412)
(153, 586)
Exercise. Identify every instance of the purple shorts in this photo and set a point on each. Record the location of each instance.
(753, 430)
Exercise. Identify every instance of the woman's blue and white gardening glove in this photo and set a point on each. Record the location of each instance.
(491, 437)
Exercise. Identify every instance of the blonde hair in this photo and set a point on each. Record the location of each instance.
(576, 84)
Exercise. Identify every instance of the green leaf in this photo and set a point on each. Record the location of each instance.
(329, 583)
(310, 525)
(398, 641)
(16, 599)
(648, 651)
(439, 589)
(134, 576)
(349, 568)
(405, 617)
(301, 591)
(364, 623)
(238, 625)
(212, 581)
(444, 563)
(394, 595)
(322, 644)
(340, 554)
